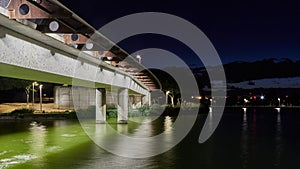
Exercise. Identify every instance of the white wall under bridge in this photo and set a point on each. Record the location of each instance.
(28, 54)
(63, 98)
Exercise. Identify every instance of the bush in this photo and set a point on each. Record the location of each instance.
(112, 113)
(22, 111)
(72, 115)
(142, 111)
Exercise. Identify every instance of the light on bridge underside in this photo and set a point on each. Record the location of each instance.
(24, 9)
(89, 46)
(100, 52)
(53, 26)
(74, 37)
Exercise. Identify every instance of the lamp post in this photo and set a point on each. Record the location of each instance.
(41, 97)
(139, 58)
(33, 84)
(167, 93)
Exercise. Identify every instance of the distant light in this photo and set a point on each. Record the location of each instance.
(254, 97)
(278, 99)
(53, 26)
(199, 97)
(109, 57)
(246, 101)
(262, 97)
(278, 109)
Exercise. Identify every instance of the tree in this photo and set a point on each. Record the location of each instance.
(27, 91)
(171, 95)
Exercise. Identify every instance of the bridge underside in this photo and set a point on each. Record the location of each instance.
(28, 54)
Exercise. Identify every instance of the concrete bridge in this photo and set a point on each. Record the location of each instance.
(29, 53)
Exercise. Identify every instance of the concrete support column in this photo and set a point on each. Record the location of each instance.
(142, 102)
(122, 105)
(149, 98)
(100, 106)
(146, 99)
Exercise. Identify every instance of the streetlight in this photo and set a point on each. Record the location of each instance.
(139, 58)
(167, 97)
(279, 101)
(109, 58)
(41, 97)
(33, 84)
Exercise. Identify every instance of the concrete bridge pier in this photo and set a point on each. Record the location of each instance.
(147, 99)
(100, 106)
(122, 107)
(135, 101)
(138, 100)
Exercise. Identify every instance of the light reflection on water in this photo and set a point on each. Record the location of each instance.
(278, 140)
(140, 135)
(244, 139)
(37, 141)
(253, 140)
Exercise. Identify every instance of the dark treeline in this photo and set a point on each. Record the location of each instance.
(235, 72)
(246, 71)
(267, 68)
(15, 90)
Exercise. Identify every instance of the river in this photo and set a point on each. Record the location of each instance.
(252, 139)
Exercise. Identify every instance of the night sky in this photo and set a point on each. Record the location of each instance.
(240, 31)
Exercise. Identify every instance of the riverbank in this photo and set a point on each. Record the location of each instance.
(47, 107)
(20, 115)
(50, 113)
(24, 111)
